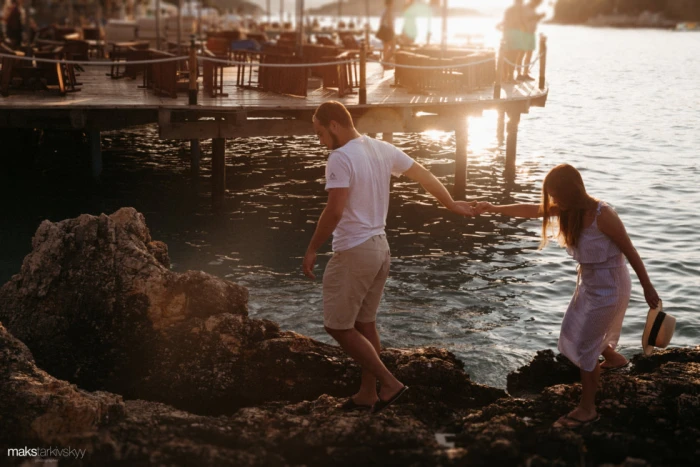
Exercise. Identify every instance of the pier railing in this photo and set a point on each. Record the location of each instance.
(416, 70)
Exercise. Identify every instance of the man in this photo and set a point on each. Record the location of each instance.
(358, 177)
(513, 40)
(530, 20)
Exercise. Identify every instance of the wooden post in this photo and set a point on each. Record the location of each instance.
(195, 154)
(194, 70)
(499, 73)
(95, 153)
(158, 24)
(461, 141)
(511, 143)
(367, 29)
(388, 137)
(363, 74)
(218, 168)
(501, 127)
(179, 27)
(543, 60)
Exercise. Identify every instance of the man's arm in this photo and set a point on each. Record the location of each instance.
(432, 185)
(337, 198)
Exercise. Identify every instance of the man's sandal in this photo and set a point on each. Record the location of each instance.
(381, 405)
(574, 423)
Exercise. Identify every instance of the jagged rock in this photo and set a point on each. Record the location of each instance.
(37, 407)
(646, 416)
(97, 305)
(543, 371)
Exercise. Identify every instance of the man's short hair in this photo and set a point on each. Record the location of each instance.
(333, 110)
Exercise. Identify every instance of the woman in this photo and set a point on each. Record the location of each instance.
(594, 235)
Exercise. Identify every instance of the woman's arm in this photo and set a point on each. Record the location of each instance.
(513, 210)
(610, 224)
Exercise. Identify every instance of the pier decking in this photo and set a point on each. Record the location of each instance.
(111, 104)
(107, 104)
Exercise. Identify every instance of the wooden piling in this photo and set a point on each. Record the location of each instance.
(218, 168)
(543, 60)
(388, 137)
(511, 143)
(195, 155)
(499, 73)
(95, 153)
(194, 69)
(363, 74)
(461, 142)
(501, 127)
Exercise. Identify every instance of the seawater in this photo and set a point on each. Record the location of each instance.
(624, 108)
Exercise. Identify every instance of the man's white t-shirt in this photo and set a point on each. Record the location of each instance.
(365, 166)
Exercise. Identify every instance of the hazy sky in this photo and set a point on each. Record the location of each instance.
(482, 5)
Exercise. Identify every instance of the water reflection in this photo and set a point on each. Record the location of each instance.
(475, 286)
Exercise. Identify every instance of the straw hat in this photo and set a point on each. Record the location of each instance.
(658, 330)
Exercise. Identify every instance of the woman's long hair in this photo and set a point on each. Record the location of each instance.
(563, 189)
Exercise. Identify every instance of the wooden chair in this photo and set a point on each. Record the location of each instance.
(212, 72)
(344, 77)
(93, 36)
(167, 77)
(318, 53)
(291, 81)
(247, 68)
(48, 74)
(325, 40)
(119, 55)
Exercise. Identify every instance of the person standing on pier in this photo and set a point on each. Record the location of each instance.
(530, 20)
(386, 33)
(594, 235)
(513, 39)
(358, 177)
(14, 20)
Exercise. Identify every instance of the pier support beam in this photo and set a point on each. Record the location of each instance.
(95, 145)
(511, 143)
(501, 127)
(218, 168)
(388, 137)
(195, 154)
(461, 141)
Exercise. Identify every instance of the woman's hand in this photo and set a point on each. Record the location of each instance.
(651, 296)
(484, 206)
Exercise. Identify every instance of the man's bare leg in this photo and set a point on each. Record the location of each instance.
(368, 387)
(363, 352)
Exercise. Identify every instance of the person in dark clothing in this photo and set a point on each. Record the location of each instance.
(14, 23)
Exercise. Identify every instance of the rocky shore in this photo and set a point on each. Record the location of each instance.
(104, 348)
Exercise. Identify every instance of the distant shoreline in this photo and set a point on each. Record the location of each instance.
(377, 9)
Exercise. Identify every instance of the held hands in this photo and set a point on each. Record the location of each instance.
(464, 208)
(471, 208)
(308, 264)
(484, 206)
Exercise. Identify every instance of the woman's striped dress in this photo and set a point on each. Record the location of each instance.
(594, 317)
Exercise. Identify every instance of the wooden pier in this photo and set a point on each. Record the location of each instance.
(111, 104)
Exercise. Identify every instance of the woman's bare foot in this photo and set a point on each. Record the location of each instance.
(613, 360)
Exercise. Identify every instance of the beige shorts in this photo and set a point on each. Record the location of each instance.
(353, 283)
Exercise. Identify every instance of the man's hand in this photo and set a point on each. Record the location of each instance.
(484, 206)
(464, 208)
(308, 264)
